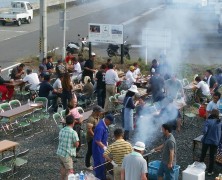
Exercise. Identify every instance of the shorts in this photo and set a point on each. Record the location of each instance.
(164, 170)
(66, 162)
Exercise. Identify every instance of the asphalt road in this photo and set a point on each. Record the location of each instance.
(193, 32)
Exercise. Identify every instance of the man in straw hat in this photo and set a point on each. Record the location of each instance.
(134, 166)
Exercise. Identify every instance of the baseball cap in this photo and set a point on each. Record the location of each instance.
(132, 68)
(110, 117)
(93, 54)
(139, 146)
(97, 109)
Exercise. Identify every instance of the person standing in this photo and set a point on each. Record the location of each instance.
(134, 166)
(91, 124)
(77, 71)
(68, 142)
(211, 81)
(129, 106)
(101, 86)
(117, 150)
(212, 135)
(89, 67)
(111, 78)
(168, 154)
(67, 87)
(99, 145)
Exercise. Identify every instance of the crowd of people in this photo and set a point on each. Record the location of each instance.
(163, 86)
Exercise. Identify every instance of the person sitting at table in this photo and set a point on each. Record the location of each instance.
(154, 67)
(32, 79)
(43, 65)
(46, 90)
(214, 104)
(49, 65)
(41, 74)
(17, 72)
(201, 89)
(58, 85)
(69, 60)
(130, 79)
(77, 71)
(218, 76)
(7, 92)
(60, 68)
(87, 90)
(136, 72)
(174, 88)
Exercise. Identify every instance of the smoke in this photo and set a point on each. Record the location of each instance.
(148, 125)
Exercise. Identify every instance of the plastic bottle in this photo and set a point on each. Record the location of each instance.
(220, 176)
(71, 177)
(76, 176)
(81, 176)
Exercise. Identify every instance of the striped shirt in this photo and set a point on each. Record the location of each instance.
(67, 139)
(118, 150)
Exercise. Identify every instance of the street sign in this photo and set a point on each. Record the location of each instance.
(105, 33)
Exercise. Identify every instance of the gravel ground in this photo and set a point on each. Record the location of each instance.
(43, 162)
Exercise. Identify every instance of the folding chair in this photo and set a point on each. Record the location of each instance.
(58, 119)
(4, 168)
(191, 116)
(24, 92)
(14, 103)
(80, 110)
(5, 106)
(63, 114)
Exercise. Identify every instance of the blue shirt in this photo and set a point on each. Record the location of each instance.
(100, 134)
(212, 132)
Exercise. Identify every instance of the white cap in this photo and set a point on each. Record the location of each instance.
(93, 54)
(133, 88)
(139, 146)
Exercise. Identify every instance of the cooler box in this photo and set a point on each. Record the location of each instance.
(193, 173)
(153, 168)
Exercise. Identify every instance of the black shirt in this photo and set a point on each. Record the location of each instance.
(89, 64)
(44, 89)
(100, 76)
(49, 65)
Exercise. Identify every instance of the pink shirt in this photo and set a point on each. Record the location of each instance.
(75, 113)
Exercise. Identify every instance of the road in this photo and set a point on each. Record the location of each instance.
(193, 32)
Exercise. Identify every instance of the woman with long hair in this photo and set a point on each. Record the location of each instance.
(67, 87)
(128, 111)
(211, 138)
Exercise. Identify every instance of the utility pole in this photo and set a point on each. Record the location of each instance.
(43, 30)
(64, 32)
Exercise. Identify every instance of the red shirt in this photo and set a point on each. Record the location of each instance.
(69, 60)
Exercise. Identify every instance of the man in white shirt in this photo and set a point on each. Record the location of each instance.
(31, 78)
(111, 78)
(202, 89)
(137, 70)
(130, 79)
(77, 73)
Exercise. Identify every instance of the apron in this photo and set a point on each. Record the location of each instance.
(128, 117)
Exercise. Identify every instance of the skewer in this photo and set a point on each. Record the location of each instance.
(101, 165)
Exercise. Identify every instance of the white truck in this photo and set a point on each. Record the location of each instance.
(21, 11)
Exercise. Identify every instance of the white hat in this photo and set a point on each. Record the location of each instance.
(93, 54)
(153, 70)
(139, 146)
(133, 88)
